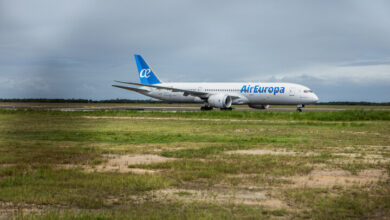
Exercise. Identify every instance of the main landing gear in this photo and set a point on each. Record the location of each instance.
(299, 108)
(206, 108)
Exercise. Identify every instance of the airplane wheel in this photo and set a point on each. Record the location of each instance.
(227, 109)
(206, 108)
(299, 110)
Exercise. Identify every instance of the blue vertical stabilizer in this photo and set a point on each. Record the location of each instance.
(145, 73)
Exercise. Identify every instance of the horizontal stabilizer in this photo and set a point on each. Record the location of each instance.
(186, 92)
(131, 88)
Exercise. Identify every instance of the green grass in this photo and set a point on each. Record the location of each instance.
(46, 185)
(190, 169)
(352, 203)
(43, 152)
(348, 115)
(201, 152)
(43, 155)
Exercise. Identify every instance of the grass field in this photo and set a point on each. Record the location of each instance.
(194, 165)
(113, 105)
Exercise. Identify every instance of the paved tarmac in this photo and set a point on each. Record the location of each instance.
(154, 108)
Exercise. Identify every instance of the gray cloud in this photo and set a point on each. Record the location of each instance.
(74, 49)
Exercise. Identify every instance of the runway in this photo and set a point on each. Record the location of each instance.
(154, 108)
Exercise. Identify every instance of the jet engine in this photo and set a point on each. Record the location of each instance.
(259, 106)
(220, 101)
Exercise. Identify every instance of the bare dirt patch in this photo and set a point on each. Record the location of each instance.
(120, 164)
(328, 178)
(136, 159)
(219, 195)
(363, 156)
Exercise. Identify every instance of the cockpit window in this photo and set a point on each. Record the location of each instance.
(307, 91)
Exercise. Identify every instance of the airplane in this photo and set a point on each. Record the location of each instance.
(222, 95)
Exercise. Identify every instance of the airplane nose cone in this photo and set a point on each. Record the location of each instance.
(315, 98)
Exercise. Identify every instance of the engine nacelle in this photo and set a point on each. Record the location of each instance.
(259, 106)
(220, 101)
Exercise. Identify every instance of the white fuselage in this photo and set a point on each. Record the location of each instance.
(247, 93)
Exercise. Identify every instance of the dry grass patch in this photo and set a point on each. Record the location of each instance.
(367, 148)
(361, 133)
(337, 177)
(219, 195)
(362, 156)
(370, 159)
(9, 210)
(182, 145)
(121, 163)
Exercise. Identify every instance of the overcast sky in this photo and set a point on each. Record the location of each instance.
(75, 49)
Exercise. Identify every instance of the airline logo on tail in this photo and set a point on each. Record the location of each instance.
(146, 74)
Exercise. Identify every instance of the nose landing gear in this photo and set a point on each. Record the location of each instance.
(299, 107)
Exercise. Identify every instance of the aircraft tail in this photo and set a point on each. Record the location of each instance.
(146, 74)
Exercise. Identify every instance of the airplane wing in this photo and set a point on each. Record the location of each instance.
(202, 95)
(131, 88)
(186, 92)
